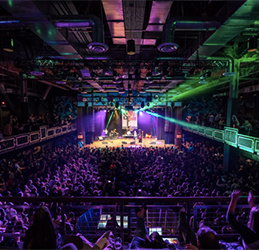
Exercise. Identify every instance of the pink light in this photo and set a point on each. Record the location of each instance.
(141, 113)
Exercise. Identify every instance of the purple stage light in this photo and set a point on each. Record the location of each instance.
(72, 24)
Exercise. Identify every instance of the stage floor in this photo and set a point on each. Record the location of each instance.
(146, 142)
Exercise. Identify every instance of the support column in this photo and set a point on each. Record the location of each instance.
(24, 101)
(169, 127)
(80, 127)
(178, 128)
(85, 124)
(230, 153)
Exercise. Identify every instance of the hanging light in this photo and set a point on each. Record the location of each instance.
(131, 47)
(8, 45)
(252, 44)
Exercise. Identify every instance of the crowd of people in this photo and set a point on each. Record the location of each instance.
(216, 120)
(14, 127)
(195, 170)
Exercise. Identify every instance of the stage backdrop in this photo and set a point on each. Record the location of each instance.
(130, 119)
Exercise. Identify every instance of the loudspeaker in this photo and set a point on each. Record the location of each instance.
(153, 142)
(124, 142)
(104, 142)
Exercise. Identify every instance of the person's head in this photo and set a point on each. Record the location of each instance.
(41, 235)
(207, 238)
(253, 222)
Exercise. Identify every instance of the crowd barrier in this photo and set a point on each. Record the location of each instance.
(43, 134)
(96, 215)
(229, 136)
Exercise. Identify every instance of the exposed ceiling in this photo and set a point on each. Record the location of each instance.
(77, 31)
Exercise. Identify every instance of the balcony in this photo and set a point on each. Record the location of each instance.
(228, 135)
(43, 134)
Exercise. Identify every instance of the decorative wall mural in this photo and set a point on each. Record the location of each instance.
(65, 106)
(203, 106)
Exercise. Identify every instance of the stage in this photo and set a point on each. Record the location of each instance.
(128, 142)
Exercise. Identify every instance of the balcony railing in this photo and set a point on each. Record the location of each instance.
(43, 134)
(96, 215)
(229, 136)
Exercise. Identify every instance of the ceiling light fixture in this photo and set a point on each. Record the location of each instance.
(252, 44)
(131, 47)
(8, 45)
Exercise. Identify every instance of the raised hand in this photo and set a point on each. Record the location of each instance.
(236, 194)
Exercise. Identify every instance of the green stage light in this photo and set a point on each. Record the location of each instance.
(109, 119)
(175, 121)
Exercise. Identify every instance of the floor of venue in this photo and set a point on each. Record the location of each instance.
(127, 142)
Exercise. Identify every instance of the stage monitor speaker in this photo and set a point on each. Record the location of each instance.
(132, 142)
(104, 142)
(124, 142)
(100, 138)
(153, 142)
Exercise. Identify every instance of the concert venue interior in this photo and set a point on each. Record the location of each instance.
(129, 124)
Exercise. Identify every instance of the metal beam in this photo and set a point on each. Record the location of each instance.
(42, 81)
(44, 98)
(9, 102)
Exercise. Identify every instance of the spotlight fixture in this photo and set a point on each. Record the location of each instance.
(252, 44)
(8, 45)
(60, 82)
(207, 74)
(203, 82)
(93, 74)
(116, 75)
(229, 73)
(142, 104)
(35, 71)
(117, 104)
(148, 75)
(148, 104)
(131, 47)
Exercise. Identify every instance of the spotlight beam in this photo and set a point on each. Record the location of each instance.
(109, 119)
(175, 121)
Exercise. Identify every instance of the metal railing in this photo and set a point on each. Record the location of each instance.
(95, 215)
(43, 134)
(229, 136)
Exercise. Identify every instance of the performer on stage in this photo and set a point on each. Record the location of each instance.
(106, 132)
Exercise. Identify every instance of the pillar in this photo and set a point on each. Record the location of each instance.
(85, 124)
(169, 126)
(230, 153)
(80, 127)
(23, 100)
(178, 128)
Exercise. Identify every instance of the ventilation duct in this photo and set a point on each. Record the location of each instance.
(171, 25)
(97, 45)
